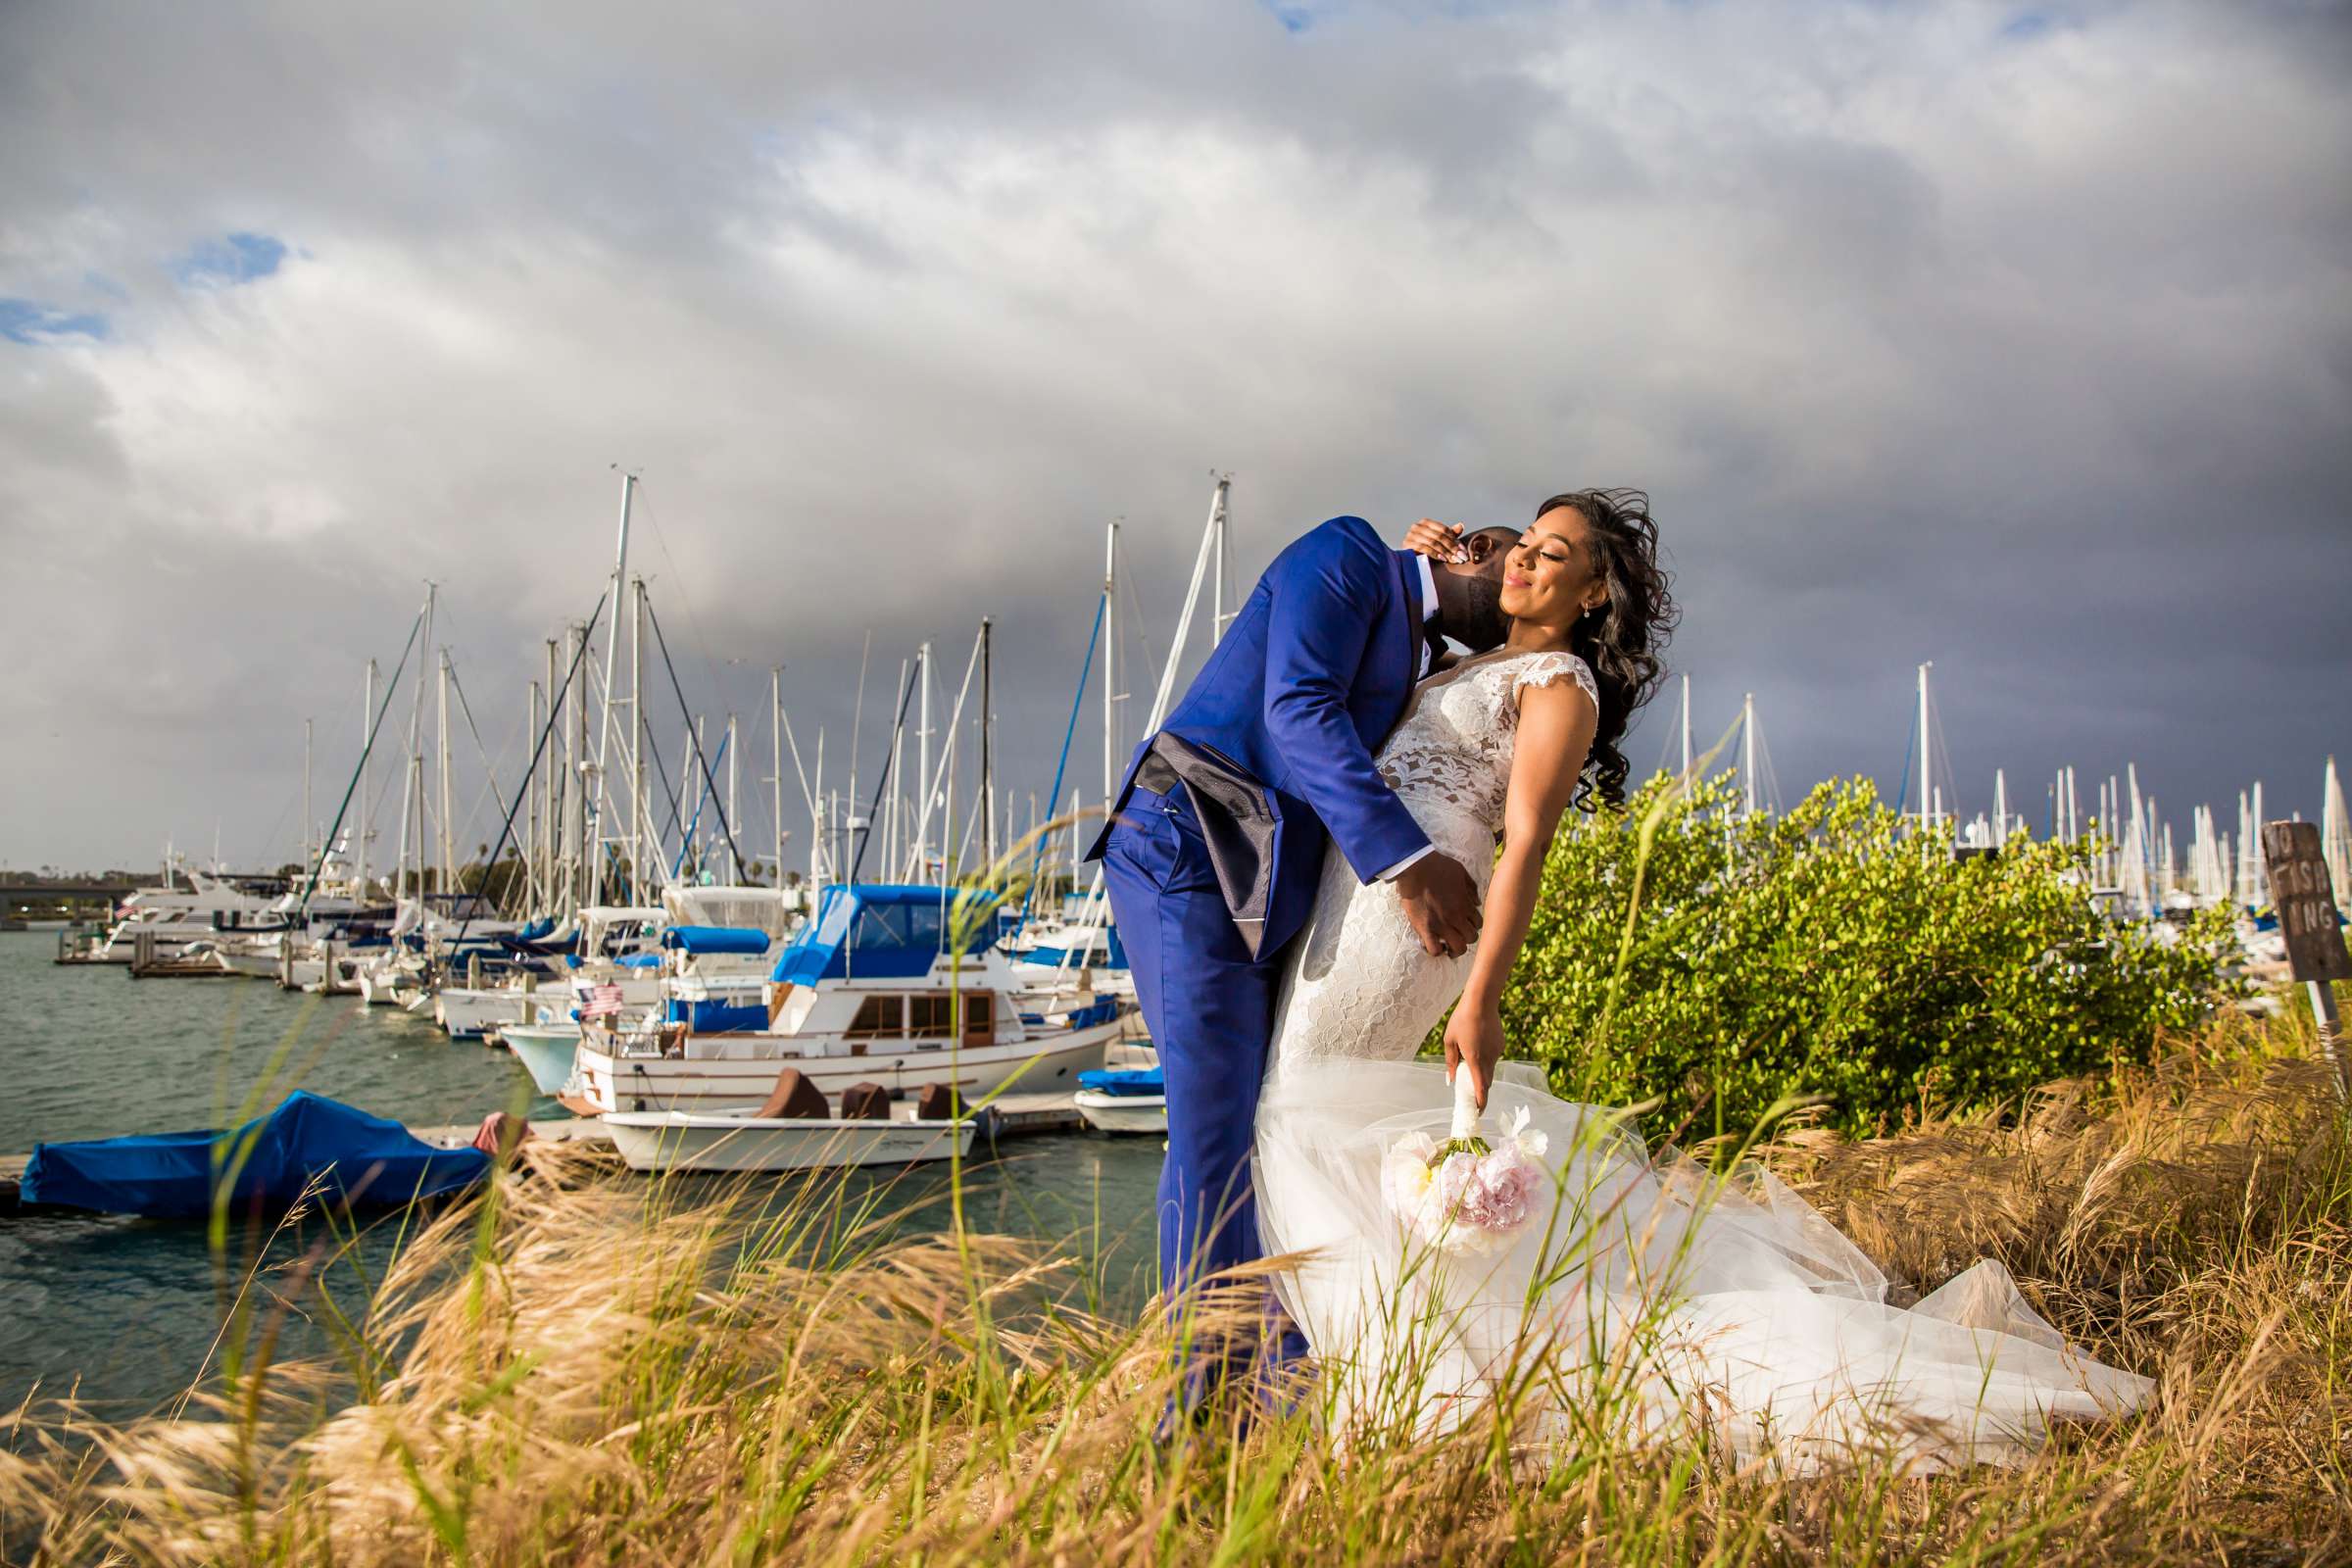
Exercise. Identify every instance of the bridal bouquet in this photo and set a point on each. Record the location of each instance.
(1466, 1195)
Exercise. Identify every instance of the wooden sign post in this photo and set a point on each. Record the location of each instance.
(2315, 942)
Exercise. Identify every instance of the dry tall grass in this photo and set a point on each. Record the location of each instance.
(568, 1370)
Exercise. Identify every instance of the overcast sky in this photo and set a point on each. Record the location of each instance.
(2014, 338)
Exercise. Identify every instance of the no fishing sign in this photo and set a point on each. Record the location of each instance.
(2306, 903)
(2315, 943)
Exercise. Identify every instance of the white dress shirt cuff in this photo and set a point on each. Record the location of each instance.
(1399, 869)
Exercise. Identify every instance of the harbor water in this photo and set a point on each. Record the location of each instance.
(124, 1312)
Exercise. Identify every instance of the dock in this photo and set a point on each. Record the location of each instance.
(1017, 1116)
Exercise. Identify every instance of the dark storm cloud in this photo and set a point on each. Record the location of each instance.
(2017, 340)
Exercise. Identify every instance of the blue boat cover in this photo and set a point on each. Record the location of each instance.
(701, 939)
(883, 931)
(639, 960)
(358, 1159)
(1125, 1081)
(719, 1017)
(1045, 953)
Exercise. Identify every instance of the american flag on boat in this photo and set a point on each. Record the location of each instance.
(603, 1002)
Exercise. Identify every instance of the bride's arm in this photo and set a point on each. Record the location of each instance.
(1556, 731)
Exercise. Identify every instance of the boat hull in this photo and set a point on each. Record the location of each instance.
(546, 1051)
(613, 1084)
(667, 1142)
(470, 1015)
(1122, 1113)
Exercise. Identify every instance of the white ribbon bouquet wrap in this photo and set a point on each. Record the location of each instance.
(1467, 1195)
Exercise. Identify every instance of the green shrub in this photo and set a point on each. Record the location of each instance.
(1825, 953)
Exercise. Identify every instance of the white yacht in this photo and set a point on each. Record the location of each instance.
(883, 986)
(173, 916)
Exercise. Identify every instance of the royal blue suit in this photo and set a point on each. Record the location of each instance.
(1217, 843)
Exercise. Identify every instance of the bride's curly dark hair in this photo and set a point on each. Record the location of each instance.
(1620, 641)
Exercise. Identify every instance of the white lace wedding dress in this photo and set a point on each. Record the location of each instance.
(1644, 1294)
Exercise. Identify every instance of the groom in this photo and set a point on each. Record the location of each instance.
(1216, 838)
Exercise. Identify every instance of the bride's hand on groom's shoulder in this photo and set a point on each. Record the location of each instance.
(1474, 1043)
(1439, 541)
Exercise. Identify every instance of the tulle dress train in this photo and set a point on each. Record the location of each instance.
(1647, 1295)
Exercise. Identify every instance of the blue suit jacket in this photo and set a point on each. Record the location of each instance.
(1273, 742)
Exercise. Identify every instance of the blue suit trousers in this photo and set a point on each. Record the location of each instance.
(1211, 1007)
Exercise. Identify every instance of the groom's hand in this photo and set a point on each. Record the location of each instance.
(1440, 904)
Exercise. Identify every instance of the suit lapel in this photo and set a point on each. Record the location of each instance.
(1405, 623)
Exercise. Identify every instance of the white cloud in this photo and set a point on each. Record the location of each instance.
(2027, 353)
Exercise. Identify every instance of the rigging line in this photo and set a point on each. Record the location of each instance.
(678, 807)
(555, 708)
(709, 782)
(947, 753)
(483, 752)
(1943, 750)
(1135, 617)
(1910, 752)
(390, 687)
(686, 842)
(694, 622)
(883, 782)
(1086, 667)
(1772, 779)
(1665, 749)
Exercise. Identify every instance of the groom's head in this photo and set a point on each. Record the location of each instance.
(1470, 591)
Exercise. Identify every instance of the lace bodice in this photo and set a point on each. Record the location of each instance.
(1454, 746)
(1362, 985)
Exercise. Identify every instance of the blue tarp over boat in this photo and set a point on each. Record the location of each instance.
(885, 931)
(702, 939)
(356, 1159)
(1125, 1081)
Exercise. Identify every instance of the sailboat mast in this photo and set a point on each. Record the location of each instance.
(1747, 752)
(548, 831)
(1216, 598)
(821, 847)
(1111, 647)
(640, 854)
(922, 769)
(309, 824)
(360, 835)
(593, 866)
(1685, 773)
(775, 709)
(988, 755)
(734, 757)
(531, 794)
(2336, 832)
(448, 829)
(412, 802)
(576, 784)
(894, 843)
(1927, 801)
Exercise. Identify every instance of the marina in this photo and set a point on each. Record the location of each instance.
(99, 1057)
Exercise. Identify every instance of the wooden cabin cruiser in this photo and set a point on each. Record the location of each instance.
(893, 985)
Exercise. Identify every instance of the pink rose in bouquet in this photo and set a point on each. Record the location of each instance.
(1466, 1195)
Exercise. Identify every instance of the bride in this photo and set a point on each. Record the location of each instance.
(1563, 1267)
